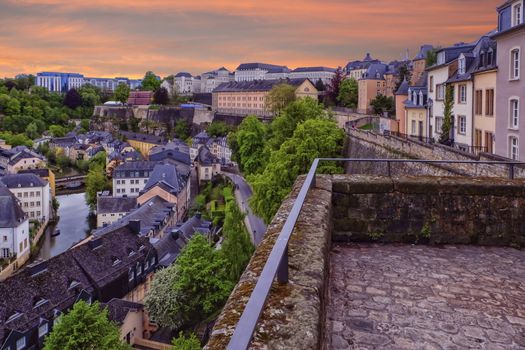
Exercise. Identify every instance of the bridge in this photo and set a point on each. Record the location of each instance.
(387, 262)
(64, 182)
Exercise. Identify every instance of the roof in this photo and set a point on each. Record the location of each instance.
(24, 154)
(22, 180)
(11, 215)
(167, 175)
(262, 66)
(205, 157)
(423, 51)
(130, 169)
(313, 69)
(118, 309)
(107, 204)
(403, 88)
(176, 150)
(473, 58)
(376, 71)
(256, 85)
(183, 74)
(148, 138)
(42, 172)
(364, 64)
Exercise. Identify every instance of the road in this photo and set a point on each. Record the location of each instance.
(243, 194)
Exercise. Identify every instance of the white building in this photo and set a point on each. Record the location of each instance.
(111, 209)
(313, 73)
(184, 83)
(33, 193)
(210, 80)
(130, 178)
(59, 82)
(14, 227)
(260, 71)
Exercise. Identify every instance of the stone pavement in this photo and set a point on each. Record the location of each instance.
(420, 297)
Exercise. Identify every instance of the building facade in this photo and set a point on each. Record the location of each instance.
(33, 193)
(62, 82)
(313, 73)
(260, 71)
(14, 227)
(130, 178)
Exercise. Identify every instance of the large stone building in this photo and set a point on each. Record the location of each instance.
(249, 97)
(371, 84)
(510, 100)
(313, 73)
(260, 71)
(62, 82)
(130, 178)
(358, 69)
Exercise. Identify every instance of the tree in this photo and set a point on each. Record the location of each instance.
(218, 129)
(57, 131)
(319, 85)
(431, 58)
(332, 90)
(85, 327)
(12, 107)
(122, 93)
(447, 116)
(161, 96)
(73, 99)
(404, 73)
(186, 343)
(382, 104)
(32, 130)
(279, 97)
(192, 289)
(182, 129)
(150, 82)
(314, 138)
(348, 93)
(250, 138)
(95, 182)
(237, 247)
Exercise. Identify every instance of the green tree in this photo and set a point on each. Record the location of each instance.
(348, 93)
(161, 96)
(447, 116)
(382, 104)
(95, 182)
(315, 138)
(332, 90)
(217, 129)
(431, 58)
(404, 73)
(57, 131)
(319, 85)
(237, 247)
(182, 129)
(122, 93)
(32, 130)
(73, 99)
(250, 138)
(150, 82)
(279, 97)
(85, 327)
(12, 107)
(186, 343)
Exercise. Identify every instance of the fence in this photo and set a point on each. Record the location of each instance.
(277, 263)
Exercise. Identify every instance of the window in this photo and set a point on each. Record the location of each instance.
(489, 102)
(130, 274)
(440, 94)
(481, 59)
(21, 343)
(462, 65)
(139, 269)
(462, 94)
(490, 57)
(431, 84)
(515, 64)
(439, 125)
(42, 330)
(478, 107)
(513, 148)
(514, 113)
(516, 15)
(441, 58)
(413, 127)
(462, 124)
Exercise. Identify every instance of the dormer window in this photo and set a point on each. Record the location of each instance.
(441, 58)
(462, 65)
(131, 253)
(517, 14)
(73, 284)
(420, 102)
(39, 303)
(481, 59)
(490, 57)
(13, 317)
(116, 261)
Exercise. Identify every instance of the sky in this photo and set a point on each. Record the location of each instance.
(109, 38)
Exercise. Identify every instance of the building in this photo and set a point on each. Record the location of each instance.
(142, 142)
(243, 98)
(111, 209)
(109, 85)
(24, 159)
(371, 84)
(419, 64)
(313, 73)
(14, 227)
(130, 178)
(510, 97)
(416, 110)
(33, 193)
(358, 69)
(140, 98)
(401, 96)
(210, 80)
(59, 82)
(207, 165)
(130, 318)
(260, 71)
(218, 146)
(184, 83)
(45, 174)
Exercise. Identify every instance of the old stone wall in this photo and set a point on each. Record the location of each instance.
(439, 210)
(367, 144)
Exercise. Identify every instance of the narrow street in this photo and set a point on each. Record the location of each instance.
(243, 193)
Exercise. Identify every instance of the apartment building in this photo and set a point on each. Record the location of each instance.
(14, 227)
(130, 178)
(358, 69)
(313, 73)
(260, 71)
(62, 82)
(33, 193)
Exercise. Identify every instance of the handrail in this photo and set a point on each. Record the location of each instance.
(277, 263)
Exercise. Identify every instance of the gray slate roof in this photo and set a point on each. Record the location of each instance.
(118, 309)
(183, 74)
(107, 204)
(256, 85)
(11, 215)
(22, 180)
(205, 157)
(313, 69)
(166, 174)
(262, 66)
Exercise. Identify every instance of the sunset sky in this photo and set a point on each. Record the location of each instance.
(127, 38)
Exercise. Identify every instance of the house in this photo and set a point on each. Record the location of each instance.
(33, 193)
(140, 98)
(184, 83)
(357, 69)
(415, 108)
(371, 84)
(24, 159)
(14, 227)
(111, 209)
(175, 152)
(142, 142)
(243, 98)
(510, 97)
(419, 64)
(129, 317)
(130, 178)
(207, 164)
(167, 183)
(5, 156)
(260, 71)
(401, 96)
(210, 80)
(325, 74)
(45, 174)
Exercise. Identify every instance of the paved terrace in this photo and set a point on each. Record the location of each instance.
(417, 297)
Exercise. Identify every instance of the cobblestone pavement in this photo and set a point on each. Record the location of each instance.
(417, 297)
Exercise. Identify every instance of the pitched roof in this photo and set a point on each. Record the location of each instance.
(166, 174)
(148, 138)
(24, 154)
(176, 150)
(118, 309)
(11, 215)
(205, 157)
(403, 88)
(262, 66)
(22, 180)
(313, 69)
(108, 204)
(256, 85)
(183, 74)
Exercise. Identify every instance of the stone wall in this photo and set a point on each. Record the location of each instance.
(439, 210)
(294, 316)
(366, 144)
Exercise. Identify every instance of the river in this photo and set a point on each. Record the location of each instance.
(74, 225)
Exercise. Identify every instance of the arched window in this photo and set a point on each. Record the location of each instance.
(515, 63)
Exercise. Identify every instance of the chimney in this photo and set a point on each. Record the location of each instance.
(134, 226)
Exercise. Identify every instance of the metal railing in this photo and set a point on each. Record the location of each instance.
(277, 263)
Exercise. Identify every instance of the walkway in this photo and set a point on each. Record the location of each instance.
(416, 297)
(243, 194)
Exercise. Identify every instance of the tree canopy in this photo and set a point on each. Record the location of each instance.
(348, 93)
(73, 99)
(161, 96)
(447, 116)
(150, 82)
(218, 129)
(279, 97)
(250, 139)
(332, 90)
(122, 93)
(186, 343)
(85, 327)
(382, 104)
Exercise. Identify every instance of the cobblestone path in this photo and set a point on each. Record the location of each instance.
(417, 297)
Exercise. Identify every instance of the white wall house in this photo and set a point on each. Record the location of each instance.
(313, 73)
(33, 193)
(260, 71)
(130, 178)
(437, 78)
(14, 227)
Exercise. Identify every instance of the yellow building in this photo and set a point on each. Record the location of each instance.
(249, 97)
(142, 142)
(416, 113)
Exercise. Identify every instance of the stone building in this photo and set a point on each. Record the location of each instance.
(313, 73)
(260, 71)
(33, 193)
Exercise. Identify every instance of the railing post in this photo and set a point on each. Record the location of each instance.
(282, 272)
(511, 171)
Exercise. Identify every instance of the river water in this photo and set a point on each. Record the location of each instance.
(74, 226)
